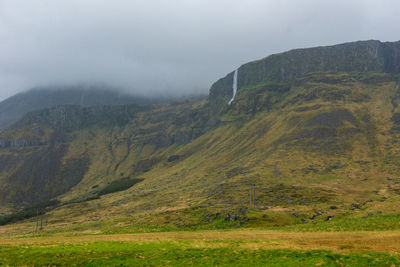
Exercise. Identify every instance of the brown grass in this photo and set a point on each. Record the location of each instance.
(388, 241)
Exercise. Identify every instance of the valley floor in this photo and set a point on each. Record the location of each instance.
(222, 248)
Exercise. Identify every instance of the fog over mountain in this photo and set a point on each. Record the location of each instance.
(173, 47)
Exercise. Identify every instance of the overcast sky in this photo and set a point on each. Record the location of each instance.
(171, 46)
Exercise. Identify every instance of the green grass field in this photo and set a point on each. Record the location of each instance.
(180, 253)
(169, 254)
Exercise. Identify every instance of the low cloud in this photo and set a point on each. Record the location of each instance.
(171, 47)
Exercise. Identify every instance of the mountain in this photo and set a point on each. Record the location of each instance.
(361, 57)
(13, 108)
(311, 132)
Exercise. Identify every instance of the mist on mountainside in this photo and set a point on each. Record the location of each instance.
(13, 108)
(139, 47)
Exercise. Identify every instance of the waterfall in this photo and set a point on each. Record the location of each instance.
(234, 86)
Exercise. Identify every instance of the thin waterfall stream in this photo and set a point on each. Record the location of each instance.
(234, 86)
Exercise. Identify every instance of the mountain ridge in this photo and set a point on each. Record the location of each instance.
(320, 140)
(360, 56)
(14, 107)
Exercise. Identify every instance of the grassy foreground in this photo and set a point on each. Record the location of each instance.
(206, 248)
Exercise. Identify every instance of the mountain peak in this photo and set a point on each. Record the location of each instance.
(360, 56)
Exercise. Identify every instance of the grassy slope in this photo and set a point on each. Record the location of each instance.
(302, 175)
(285, 149)
(266, 154)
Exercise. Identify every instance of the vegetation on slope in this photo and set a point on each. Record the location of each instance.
(323, 140)
(283, 153)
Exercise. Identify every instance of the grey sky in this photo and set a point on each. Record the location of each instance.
(171, 46)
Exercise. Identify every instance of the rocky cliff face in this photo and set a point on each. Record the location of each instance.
(47, 152)
(15, 107)
(73, 117)
(363, 56)
(4, 143)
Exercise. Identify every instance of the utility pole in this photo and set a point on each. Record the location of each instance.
(37, 220)
(252, 197)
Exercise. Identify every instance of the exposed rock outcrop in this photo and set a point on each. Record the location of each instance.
(362, 56)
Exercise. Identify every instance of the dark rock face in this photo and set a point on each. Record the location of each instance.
(391, 57)
(362, 56)
(73, 117)
(220, 92)
(19, 143)
(15, 107)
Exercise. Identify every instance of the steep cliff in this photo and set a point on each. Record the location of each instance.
(327, 136)
(49, 151)
(15, 107)
(362, 56)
